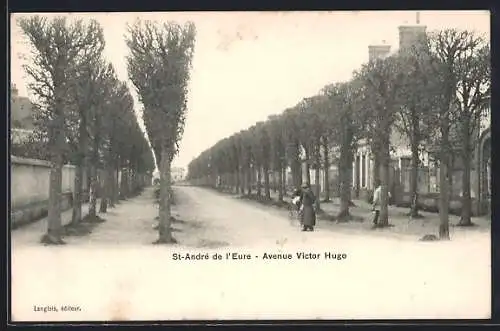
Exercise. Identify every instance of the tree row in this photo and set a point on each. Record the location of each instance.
(84, 116)
(433, 93)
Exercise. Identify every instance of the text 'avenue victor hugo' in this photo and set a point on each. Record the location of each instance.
(327, 255)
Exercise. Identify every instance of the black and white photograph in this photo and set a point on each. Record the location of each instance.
(273, 165)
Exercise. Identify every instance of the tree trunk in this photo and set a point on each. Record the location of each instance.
(308, 168)
(267, 189)
(237, 180)
(376, 167)
(94, 180)
(131, 185)
(78, 194)
(444, 190)
(88, 180)
(296, 167)
(136, 186)
(54, 229)
(465, 219)
(275, 184)
(94, 185)
(345, 173)
(280, 185)
(326, 166)
(415, 162)
(111, 191)
(131, 182)
(249, 180)
(284, 180)
(106, 191)
(318, 188)
(81, 164)
(164, 229)
(124, 193)
(296, 175)
(109, 179)
(117, 178)
(384, 179)
(259, 180)
(451, 169)
(242, 181)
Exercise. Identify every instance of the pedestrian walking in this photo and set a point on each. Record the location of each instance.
(308, 215)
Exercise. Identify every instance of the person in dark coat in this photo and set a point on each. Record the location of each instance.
(308, 216)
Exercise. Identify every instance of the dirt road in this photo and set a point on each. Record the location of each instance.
(116, 273)
(230, 221)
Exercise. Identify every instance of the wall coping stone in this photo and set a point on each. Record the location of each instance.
(35, 162)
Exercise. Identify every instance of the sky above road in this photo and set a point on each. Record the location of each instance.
(249, 65)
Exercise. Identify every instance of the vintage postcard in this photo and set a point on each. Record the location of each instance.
(250, 166)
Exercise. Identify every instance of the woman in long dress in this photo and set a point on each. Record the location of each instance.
(308, 215)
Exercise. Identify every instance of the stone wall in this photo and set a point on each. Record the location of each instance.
(29, 191)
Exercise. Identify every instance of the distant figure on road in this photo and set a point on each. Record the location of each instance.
(377, 201)
(308, 215)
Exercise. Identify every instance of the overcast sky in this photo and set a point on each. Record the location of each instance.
(249, 65)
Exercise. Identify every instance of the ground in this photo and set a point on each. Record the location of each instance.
(115, 273)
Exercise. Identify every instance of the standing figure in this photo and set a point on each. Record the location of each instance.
(377, 202)
(308, 216)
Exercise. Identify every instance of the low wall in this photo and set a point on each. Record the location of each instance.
(430, 202)
(427, 201)
(29, 190)
(37, 210)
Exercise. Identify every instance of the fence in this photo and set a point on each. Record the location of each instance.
(428, 181)
(428, 189)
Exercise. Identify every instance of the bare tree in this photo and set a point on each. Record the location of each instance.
(159, 66)
(345, 117)
(473, 95)
(446, 49)
(85, 89)
(56, 46)
(382, 80)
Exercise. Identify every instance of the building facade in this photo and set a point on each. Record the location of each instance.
(21, 111)
(428, 178)
(428, 173)
(178, 174)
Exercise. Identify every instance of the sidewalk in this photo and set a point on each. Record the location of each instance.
(30, 234)
(402, 225)
(130, 222)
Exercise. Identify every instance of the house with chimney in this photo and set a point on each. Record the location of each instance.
(428, 179)
(21, 116)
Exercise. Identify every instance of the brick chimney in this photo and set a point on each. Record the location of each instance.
(411, 35)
